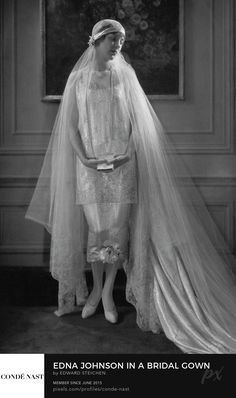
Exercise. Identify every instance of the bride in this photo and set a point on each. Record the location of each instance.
(112, 183)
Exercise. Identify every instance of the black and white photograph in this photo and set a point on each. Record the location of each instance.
(118, 195)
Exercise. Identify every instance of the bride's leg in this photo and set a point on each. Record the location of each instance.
(91, 212)
(96, 293)
(97, 272)
(118, 236)
(107, 293)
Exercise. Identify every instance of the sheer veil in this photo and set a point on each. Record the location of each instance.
(180, 271)
(53, 202)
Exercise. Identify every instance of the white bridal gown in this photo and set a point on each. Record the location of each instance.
(106, 197)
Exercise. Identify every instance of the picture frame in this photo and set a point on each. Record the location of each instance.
(154, 43)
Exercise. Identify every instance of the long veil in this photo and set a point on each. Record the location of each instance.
(180, 271)
(180, 277)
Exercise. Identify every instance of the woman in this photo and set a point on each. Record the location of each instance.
(105, 169)
(110, 168)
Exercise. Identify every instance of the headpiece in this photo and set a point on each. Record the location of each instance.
(105, 27)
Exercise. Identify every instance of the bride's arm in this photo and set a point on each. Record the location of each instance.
(119, 160)
(131, 147)
(76, 140)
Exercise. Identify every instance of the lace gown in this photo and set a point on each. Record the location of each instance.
(106, 197)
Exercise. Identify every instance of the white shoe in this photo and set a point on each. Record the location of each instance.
(89, 310)
(111, 316)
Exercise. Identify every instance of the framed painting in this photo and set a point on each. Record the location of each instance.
(154, 43)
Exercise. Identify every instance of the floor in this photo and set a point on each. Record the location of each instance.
(38, 330)
(28, 297)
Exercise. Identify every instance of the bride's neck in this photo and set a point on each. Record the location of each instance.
(101, 64)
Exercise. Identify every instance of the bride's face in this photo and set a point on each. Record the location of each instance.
(110, 46)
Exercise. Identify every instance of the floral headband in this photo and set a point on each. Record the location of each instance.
(97, 36)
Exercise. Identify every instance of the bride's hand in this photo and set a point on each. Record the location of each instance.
(92, 163)
(119, 160)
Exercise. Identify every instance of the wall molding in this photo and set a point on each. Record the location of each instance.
(226, 134)
(14, 202)
(38, 248)
(12, 181)
(22, 249)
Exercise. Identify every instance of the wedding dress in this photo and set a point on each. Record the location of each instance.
(106, 197)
